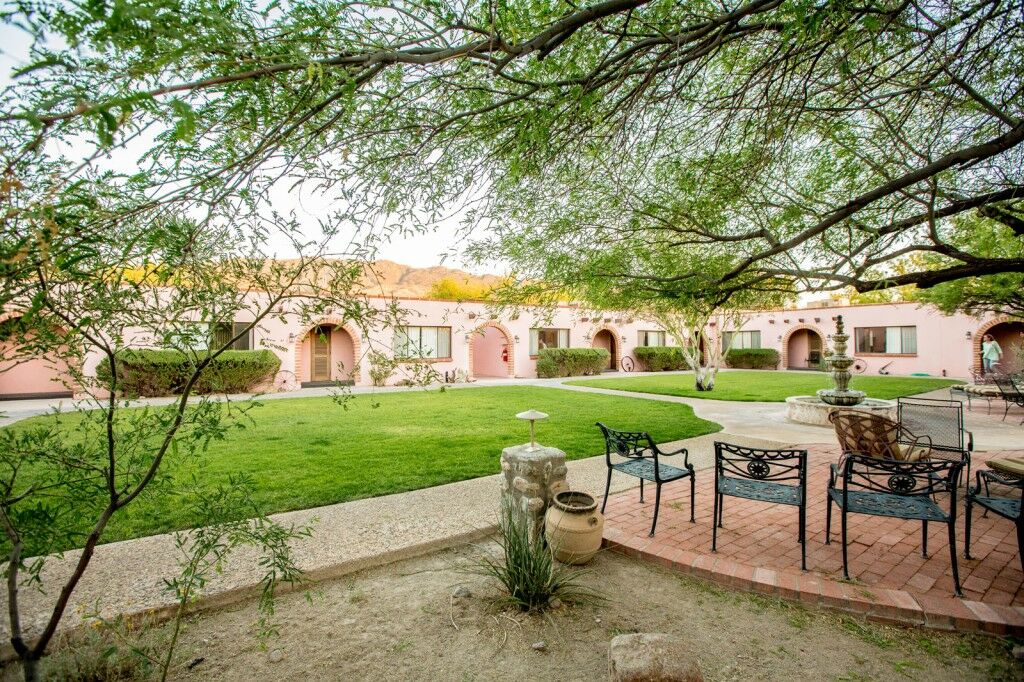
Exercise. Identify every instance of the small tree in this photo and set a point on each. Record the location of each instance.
(702, 350)
(82, 287)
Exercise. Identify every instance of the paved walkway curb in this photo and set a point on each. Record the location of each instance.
(889, 606)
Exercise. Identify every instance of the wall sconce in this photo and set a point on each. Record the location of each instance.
(968, 335)
(780, 337)
(586, 337)
(516, 338)
(466, 338)
(291, 336)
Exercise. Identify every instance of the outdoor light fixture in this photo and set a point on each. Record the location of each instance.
(968, 334)
(516, 338)
(532, 416)
(780, 337)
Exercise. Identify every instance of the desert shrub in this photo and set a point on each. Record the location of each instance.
(526, 570)
(660, 358)
(381, 368)
(148, 372)
(752, 358)
(567, 362)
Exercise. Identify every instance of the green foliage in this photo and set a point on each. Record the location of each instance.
(527, 572)
(661, 358)
(382, 366)
(752, 358)
(148, 372)
(569, 362)
(450, 289)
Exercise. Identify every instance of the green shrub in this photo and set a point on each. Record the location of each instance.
(381, 368)
(526, 571)
(752, 358)
(660, 358)
(569, 362)
(148, 372)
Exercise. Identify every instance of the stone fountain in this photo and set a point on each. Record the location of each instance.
(809, 409)
(841, 395)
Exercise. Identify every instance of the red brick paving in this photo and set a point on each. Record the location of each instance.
(758, 550)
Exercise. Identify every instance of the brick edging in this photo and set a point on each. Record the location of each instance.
(897, 607)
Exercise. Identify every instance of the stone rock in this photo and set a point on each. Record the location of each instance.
(461, 592)
(540, 646)
(555, 603)
(1018, 652)
(276, 656)
(651, 657)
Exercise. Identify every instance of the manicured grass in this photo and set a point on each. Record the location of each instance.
(767, 386)
(308, 452)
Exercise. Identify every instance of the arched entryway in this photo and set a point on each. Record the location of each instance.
(326, 355)
(25, 374)
(606, 338)
(1009, 334)
(491, 352)
(803, 349)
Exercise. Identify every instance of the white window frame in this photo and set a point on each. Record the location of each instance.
(897, 340)
(644, 338)
(750, 339)
(561, 340)
(410, 342)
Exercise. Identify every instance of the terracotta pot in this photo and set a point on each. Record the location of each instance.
(573, 527)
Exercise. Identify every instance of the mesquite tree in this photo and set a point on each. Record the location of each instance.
(75, 300)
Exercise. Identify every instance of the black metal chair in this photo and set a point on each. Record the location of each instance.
(1008, 507)
(943, 422)
(641, 461)
(756, 474)
(902, 490)
(1010, 392)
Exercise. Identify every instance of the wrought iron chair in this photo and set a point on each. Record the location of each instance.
(641, 461)
(1011, 508)
(943, 422)
(902, 490)
(876, 436)
(1010, 392)
(778, 476)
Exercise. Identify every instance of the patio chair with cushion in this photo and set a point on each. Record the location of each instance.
(641, 460)
(778, 476)
(1010, 392)
(902, 490)
(876, 436)
(1008, 506)
(943, 422)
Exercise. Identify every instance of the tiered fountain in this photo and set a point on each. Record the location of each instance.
(808, 409)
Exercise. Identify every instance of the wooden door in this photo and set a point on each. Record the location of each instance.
(320, 343)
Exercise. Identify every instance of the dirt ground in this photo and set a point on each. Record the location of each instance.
(401, 622)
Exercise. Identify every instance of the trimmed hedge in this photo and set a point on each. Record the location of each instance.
(660, 358)
(568, 362)
(752, 358)
(149, 372)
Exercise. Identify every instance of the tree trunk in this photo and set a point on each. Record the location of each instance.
(704, 378)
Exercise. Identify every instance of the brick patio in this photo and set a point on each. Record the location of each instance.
(757, 550)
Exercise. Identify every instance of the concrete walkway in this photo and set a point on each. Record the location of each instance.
(127, 577)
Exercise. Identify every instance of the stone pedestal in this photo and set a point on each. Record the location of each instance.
(531, 480)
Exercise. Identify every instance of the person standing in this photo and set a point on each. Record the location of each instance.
(990, 352)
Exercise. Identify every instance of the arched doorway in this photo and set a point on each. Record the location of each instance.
(1009, 334)
(27, 375)
(327, 355)
(803, 349)
(491, 352)
(605, 338)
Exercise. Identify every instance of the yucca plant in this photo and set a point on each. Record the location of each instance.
(526, 570)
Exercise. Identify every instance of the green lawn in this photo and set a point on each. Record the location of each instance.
(767, 386)
(308, 452)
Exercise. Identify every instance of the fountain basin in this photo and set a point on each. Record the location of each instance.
(810, 409)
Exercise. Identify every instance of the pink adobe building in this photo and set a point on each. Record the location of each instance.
(901, 338)
(469, 340)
